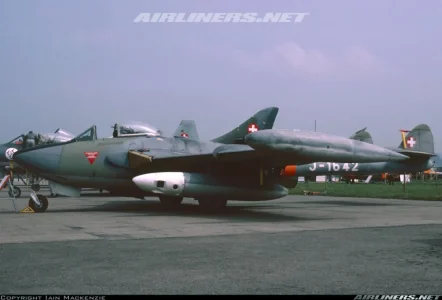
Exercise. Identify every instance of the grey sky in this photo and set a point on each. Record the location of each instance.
(349, 65)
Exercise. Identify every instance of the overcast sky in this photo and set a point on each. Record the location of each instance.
(349, 64)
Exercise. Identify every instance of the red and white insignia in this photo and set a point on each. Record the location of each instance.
(411, 141)
(252, 128)
(183, 134)
(91, 156)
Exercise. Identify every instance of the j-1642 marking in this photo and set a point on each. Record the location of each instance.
(329, 166)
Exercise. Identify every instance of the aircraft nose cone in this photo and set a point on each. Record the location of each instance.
(40, 160)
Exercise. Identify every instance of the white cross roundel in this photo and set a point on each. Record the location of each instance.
(411, 141)
(184, 135)
(252, 128)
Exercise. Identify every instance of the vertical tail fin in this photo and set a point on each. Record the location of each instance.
(264, 119)
(187, 129)
(419, 139)
(363, 136)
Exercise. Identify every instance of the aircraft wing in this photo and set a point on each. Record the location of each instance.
(159, 159)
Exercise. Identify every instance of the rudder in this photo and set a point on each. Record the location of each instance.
(419, 139)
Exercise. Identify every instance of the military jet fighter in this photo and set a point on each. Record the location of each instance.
(172, 168)
(418, 145)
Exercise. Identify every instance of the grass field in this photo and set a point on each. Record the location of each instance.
(415, 190)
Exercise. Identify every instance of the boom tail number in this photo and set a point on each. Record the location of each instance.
(334, 167)
(319, 167)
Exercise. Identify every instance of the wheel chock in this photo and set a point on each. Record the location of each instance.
(27, 210)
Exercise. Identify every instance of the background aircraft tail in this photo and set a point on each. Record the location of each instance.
(363, 136)
(187, 129)
(419, 141)
(264, 119)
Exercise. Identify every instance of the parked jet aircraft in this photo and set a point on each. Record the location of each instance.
(173, 168)
(418, 145)
(263, 119)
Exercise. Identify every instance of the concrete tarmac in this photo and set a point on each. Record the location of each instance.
(295, 245)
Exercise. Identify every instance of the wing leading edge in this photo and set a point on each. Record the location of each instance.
(223, 153)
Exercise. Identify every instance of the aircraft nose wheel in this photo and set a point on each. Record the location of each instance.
(41, 206)
(15, 192)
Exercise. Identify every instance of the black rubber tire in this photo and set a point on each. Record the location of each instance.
(44, 204)
(16, 190)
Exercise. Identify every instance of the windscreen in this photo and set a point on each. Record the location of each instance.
(134, 127)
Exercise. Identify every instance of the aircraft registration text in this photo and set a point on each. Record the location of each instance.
(334, 167)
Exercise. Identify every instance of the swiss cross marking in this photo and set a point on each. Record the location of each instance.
(411, 141)
(252, 128)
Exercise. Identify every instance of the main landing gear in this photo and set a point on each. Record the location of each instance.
(38, 203)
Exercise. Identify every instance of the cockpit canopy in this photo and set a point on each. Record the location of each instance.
(61, 131)
(135, 128)
(18, 140)
(59, 136)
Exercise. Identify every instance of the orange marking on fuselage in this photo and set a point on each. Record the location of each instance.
(289, 171)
